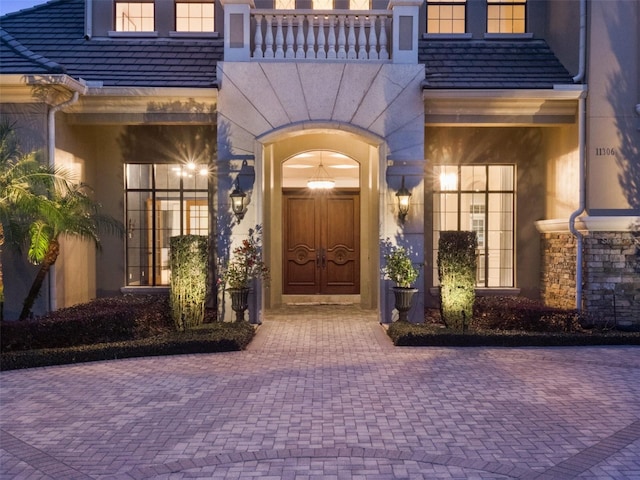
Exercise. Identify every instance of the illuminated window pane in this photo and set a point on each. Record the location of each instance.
(285, 4)
(359, 5)
(134, 17)
(506, 16)
(194, 17)
(323, 4)
(162, 201)
(478, 198)
(446, 16)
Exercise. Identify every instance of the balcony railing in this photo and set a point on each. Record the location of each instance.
(321, 35)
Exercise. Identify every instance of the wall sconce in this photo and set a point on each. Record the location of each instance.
(237, 201)
(403, 201)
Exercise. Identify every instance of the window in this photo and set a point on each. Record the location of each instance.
(446, 16)
(134, 17)
(323, 4)
(194, 16)
(506, 16)
(285, 4)
(162, 200)
(480, 199)
(359, 5)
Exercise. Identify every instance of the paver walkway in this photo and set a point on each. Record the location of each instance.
(321, 393)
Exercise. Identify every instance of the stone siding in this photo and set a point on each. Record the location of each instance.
(558, 282)
(612, 277)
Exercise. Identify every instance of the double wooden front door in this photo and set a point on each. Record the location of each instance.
(321, 241)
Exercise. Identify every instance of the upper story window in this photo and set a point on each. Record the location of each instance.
(506, 16)
(323, 4)
(446, 16)
(134, 17)
(194, 16)
(285, 4)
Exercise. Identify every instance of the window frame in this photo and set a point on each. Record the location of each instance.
(193, 32)
(482, 277)
(500, 19)
(446, 3)
(184, 194)
(133, 32)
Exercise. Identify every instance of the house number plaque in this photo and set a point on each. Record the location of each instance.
(605, 151)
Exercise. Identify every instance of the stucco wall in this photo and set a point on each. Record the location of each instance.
(562, 164)
(613, 139)
(562, 31)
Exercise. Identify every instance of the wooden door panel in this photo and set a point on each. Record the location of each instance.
(301, 275)
(342, 239)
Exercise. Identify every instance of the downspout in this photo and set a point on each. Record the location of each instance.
(581, 202)
(51, 142)
(582, 56)
(581, 154)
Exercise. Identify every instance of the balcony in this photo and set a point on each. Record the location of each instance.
(321, 35)
(383, 36)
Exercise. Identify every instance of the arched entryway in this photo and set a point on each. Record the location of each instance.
(322, 246)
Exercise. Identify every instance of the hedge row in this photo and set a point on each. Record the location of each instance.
(424, 335)
(215, 337)
(113, 319)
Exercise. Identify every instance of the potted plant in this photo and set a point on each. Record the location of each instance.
(245, 265)
(399, 269)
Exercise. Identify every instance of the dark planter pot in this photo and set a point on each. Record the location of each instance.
(404, 298)
(239, 301)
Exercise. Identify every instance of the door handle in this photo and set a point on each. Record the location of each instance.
(318, 258)
(324, 258)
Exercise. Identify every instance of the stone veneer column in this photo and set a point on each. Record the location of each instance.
(558, 272)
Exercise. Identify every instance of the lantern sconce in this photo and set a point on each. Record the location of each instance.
(404, 196)
(237, 201)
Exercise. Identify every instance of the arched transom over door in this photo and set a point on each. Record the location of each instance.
(321, 227)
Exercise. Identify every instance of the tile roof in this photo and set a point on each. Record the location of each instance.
(50, 39)
(484, 64)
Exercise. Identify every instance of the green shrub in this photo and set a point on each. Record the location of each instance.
(457, 275)
(209, 338)
(423, 335)
(112, 319)
(188, 261)
(518, 313)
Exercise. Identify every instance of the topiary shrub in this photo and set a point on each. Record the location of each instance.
(188, 261)
(457, 275)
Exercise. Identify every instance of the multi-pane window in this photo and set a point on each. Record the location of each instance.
(478, 198)
(162, 201)
(134, 17)
(285, 4)
(323, 4)
(446, 16)
(506, 16)
(194, 16)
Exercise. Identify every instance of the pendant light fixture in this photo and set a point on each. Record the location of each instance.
(321, 179)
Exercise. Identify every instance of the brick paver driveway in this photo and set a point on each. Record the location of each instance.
(322, 393)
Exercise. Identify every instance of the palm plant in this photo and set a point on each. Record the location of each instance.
(75, 214)
(25, 184)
